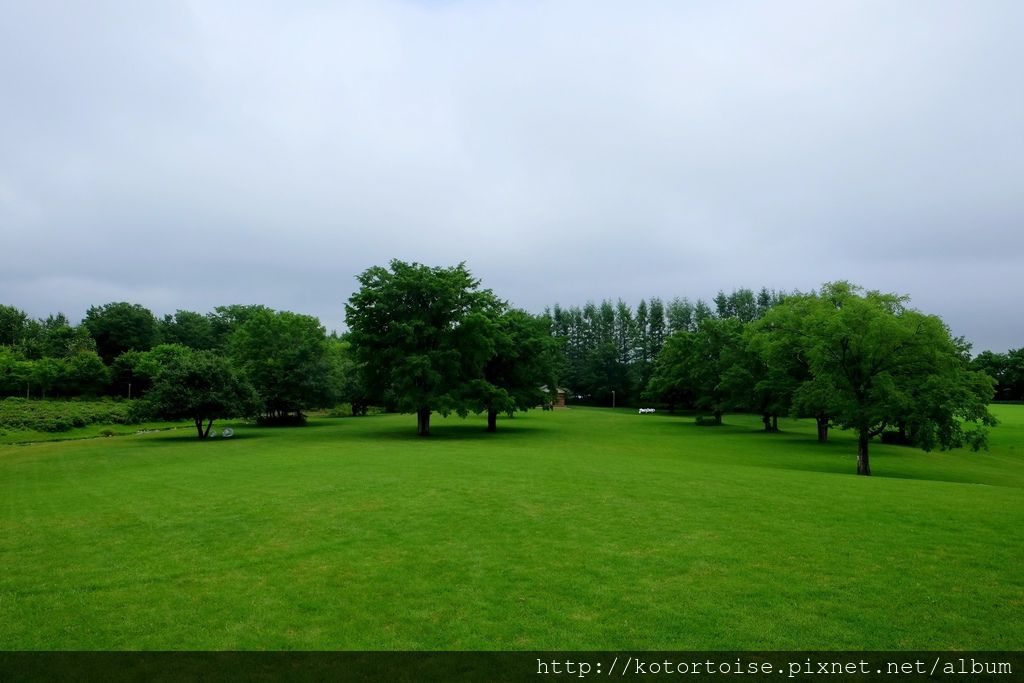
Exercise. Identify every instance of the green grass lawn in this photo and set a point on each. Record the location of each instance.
(573, 529)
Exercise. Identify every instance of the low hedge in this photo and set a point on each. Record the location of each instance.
(60, 416)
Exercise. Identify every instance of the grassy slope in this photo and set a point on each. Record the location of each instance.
(93, 431)
(573, 529)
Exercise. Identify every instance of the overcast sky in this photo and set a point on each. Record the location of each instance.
(193, 154)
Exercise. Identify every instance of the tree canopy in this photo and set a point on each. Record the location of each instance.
(1007, 369)
(520, 368)
(119, 327)
(885, 366)
(200, 386)
(283, 355)
(421, 334)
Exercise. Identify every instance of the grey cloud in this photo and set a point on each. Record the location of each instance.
(193, 154)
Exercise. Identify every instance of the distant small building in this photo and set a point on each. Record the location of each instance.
(558, 400)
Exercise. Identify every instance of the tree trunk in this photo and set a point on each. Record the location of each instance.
(199, 427)
(863, 467)
(767, 420)
(718, 417)
(775, 423)
(492, 420)
(822, 428)
(423, 422)
(208, 425)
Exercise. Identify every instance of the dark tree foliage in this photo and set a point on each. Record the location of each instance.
(86, 374)
(680, 316)
(46, 374)
(57, 338)
(200, 386)
(519, 370)
(190, 329)
(655, 327)
(12, 325)
(744, 305)
(608, 349)
(226, 319)
(345, 376)
(421, 334)
(781, 347)
(14, 372)
(882, 365)
(1007, 369)
(119, 327)
(710, 352)
(740, 305)
(670, 381)
(283, 355)
(749, 384)
(133, 372)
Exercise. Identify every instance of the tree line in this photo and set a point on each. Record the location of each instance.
(608, 350)
(430, 339)
(421, 340)
(236, 361)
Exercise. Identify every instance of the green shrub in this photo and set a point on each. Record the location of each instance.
(60, 416)
(340, 410)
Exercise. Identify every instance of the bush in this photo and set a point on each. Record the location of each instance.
(345, 410)
(340, 410)
(60, 416)
(288, 420)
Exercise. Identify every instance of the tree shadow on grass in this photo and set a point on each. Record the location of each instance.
(466, 432)
(189, 436)
(839, 456)
(243, 430)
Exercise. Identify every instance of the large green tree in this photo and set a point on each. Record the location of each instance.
(521, 366)
(200, 386)
(780, 345)
(119, 327)
(226, 319)
(86, 373)
(885, 363)
(133, 372)
(1007, 369)
(283, 354)
(12, 325)
(749, 383)
(47, 374)
(421, 334)
(692, 365)
(670, 379)
(344, 376)
(15, 372)
(188, 328)
(57, 338)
